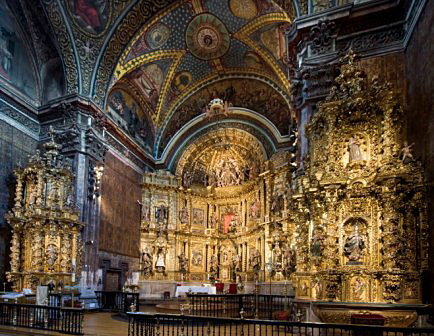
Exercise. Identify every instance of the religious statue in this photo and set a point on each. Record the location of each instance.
(214, 266)
(32, 197)
(277, 204)
(228, 172)
(51, 256)
(161, 214)
(145, 216)
(255, 260)
(255, 209)
(187, 179)
(183, 263)
(225, 257)
(406, 152)
(161, 218)
(289, 192)
(277, 233)
(214, 220)
(253, 171)
(233, 224)
(146, 261)
(277, 257)
(354, 246)
(70, 200)
(236, 263)
(160, 265)
(316, 245)
(354, 149)
(289, 261)
(317, 288)
(183, 215)
(36, 158)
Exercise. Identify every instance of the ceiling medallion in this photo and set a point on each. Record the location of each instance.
(157, 35)
(207, 37)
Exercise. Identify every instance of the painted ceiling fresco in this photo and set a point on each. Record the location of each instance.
(186, 54)
(248, 93)
(127, 113)
(15, 64)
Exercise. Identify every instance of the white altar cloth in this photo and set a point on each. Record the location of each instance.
(194, 289)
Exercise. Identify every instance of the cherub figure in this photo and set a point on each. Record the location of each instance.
(406, 152)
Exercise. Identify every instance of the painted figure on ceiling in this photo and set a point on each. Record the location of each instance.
(149, 80)
(117, 103)
(5, 55)
(91, 14)
(87, 12)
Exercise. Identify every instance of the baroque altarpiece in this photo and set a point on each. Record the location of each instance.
(361, 203)
(348, 224)
(46, 243)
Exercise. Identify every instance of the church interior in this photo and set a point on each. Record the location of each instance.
(186, 149)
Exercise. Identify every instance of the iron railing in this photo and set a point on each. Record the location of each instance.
(142, 324)
(54, 299)
(64, 320)
(230, 305)
(117, 301)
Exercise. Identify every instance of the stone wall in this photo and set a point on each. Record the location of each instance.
(15, 147)
(420, 99)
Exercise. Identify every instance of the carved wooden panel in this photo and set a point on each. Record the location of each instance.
(120, 212)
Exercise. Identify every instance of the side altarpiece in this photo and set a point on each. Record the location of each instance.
(46, 241)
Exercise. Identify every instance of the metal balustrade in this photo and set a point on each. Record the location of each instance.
(230, 305)
(65, 320)
(142, 324)
(117, 301)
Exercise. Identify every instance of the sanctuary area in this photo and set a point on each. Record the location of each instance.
(247, 159)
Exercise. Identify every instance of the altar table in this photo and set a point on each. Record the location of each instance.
(194, 289)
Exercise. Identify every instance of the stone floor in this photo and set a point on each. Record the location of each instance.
(95, 324)
(104, 324)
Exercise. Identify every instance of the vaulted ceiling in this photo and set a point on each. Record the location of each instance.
(194, 51)
(153, 65)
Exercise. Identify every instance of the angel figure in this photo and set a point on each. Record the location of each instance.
(406, 152)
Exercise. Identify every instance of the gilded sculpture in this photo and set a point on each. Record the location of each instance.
(357, 171)
(46, 239)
